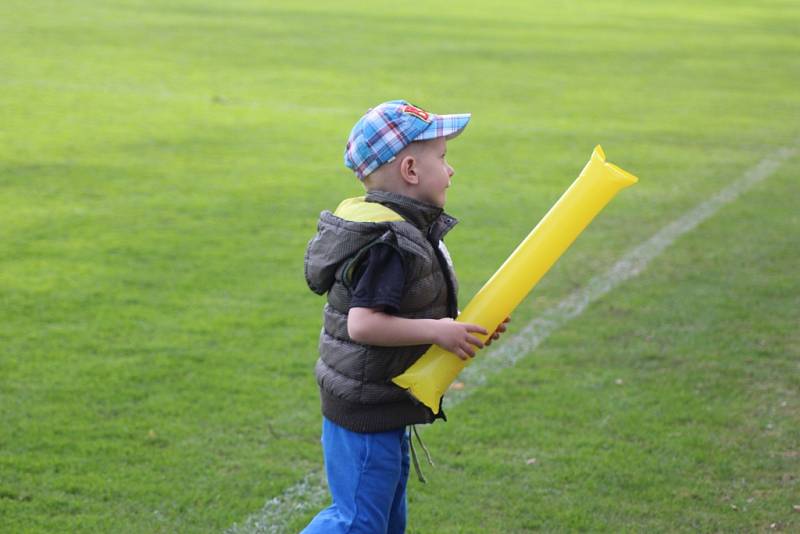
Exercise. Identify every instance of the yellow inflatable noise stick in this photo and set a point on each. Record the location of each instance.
(598, 183)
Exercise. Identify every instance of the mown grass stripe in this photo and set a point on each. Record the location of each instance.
(310, 492)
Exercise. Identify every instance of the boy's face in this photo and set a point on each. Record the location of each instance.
(434, 172)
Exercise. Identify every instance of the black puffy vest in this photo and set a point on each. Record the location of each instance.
(355, 379)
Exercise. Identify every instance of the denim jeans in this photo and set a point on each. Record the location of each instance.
(367, 476)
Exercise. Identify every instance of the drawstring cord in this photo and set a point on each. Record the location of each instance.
(417, 468)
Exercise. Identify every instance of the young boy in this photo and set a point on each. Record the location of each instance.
(391, 293)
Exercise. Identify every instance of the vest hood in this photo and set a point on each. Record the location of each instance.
(336, 240)
(359, 221)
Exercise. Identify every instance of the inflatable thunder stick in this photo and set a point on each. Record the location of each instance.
(597, 184)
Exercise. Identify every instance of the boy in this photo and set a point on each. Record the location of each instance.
(391, 293)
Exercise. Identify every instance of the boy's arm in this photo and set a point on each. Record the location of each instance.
(372, 326)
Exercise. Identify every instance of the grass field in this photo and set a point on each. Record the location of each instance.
(162, 165)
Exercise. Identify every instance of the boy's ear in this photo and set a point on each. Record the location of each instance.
(408, 170)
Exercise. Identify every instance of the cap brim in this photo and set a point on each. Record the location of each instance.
(447, 126)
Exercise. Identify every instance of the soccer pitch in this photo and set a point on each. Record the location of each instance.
(162, 166)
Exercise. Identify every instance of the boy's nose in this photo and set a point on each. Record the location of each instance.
(450, 170)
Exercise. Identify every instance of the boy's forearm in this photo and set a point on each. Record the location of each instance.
(373, 327)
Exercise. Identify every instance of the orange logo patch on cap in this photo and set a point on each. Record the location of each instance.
(418, 113)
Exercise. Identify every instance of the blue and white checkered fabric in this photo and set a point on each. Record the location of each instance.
(388, 128)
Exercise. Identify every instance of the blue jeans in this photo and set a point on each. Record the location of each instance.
(367, 476)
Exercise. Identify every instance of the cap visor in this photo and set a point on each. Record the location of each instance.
(448, 126)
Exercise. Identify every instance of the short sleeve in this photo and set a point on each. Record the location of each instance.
(379, 281)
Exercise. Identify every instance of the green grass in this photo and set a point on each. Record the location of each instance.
(162, 165)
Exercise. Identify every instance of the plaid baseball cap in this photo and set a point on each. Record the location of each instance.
(388, 128)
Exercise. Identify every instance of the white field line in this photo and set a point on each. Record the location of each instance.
(310, 493)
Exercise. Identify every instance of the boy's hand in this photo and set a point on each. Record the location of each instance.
(456, 337)
(500, 329)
